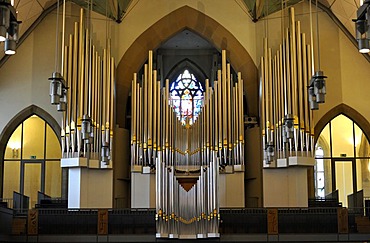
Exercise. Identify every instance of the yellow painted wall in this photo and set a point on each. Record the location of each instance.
(24, 77)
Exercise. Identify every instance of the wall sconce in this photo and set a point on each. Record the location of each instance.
(362, 27)
(9, 26)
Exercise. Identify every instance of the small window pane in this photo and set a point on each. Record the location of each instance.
(53, 176)
(365, 174)
(359, 173)
(362, 144)
(324, 141)
(11, 178)
(33, 138)
(328, 176)
(342, 136)
(13, 148)
(32, 181)
(53, 150)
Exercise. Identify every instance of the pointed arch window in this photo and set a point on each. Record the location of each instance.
(342, 161)
(187, 97)
(32, 161)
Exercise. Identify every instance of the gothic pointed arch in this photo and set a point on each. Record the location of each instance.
(186, 63)
(15, 122)
(347, 111)
(171, 24)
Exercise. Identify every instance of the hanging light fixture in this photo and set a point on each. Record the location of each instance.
(363, 27)
(58, 89)
(317, 86)
(9, 26)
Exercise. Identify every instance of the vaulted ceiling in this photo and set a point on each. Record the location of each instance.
(30, 12)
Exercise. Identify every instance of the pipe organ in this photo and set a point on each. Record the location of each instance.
(188, 157)
(85, 96)
(286, 117)
(83, 91)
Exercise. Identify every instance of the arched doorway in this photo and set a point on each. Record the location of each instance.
(342, 162)
(32, 152)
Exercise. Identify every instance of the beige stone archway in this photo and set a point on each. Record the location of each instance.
(178, 20)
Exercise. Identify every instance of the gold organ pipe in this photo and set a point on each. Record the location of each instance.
(241, 117)
(235, 122)
(113, 75)
(229, 108)
(275, 85)
(93, 84)
(263, 102)
(310, 67)
(81, 65)
(212, 120)
(163, 123)
(312, 61)
(285, 77)
(305, 83)
(166, 97)
(155, 112)
(139, 122)
(133, 109)
(93, 80)
(293, 56)
(95, 95)
(99, 99)
(145, 106)
(75, 75)
(237, 114)
(224, 101)
(159, 117)
(70, 79)
(215, 84)
(220, 114)
(206, 113)
(267, 89)
(108, 83)
(277, 94)
(282, 85)
(281, 98)
(65, 75)
(270, 93)
(104, 88)
(98, 90)
(150, 98)
(288, 74)
(87, 80)
(300, 75)
(64, 54)
(209, 118)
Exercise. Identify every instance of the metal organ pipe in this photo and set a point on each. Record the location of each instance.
(89, 94)
(192, 149)
(285, 115)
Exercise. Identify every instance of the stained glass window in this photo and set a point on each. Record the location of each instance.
(187, 97)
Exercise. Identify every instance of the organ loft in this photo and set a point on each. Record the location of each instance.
(187, 155)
